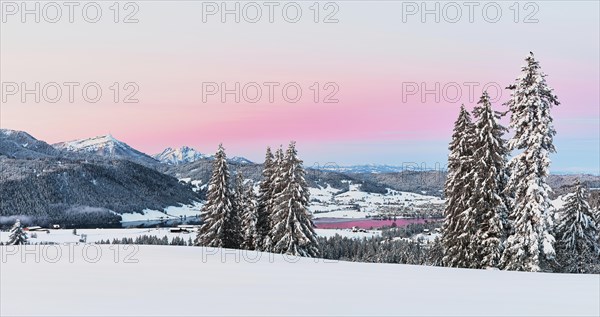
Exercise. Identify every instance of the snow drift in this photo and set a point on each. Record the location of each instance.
(167, 280)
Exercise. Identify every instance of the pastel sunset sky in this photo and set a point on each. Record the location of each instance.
(370, 54)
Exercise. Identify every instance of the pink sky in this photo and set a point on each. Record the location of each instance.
(368, 54)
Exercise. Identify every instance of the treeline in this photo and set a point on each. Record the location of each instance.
(149, 240)
(394, 245)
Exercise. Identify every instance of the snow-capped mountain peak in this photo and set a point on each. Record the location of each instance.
(239, 160)
(107, 146)
(184, 154)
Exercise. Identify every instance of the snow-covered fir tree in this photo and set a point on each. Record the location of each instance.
(17, 236)
(265, 194)
(221, 223)
(487, 209)
(238, 192)
(530, 246)
(577, 246)
(457, 190)
(249, 213)
(293, 230)
(277, 184)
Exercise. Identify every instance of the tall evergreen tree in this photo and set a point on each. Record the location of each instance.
(17, 236)
(277, 185)
(238, 192)
(293, 230)
(221, 222)
(577, 234)
(530, 246)
(265, 193)
(457, 190)
(487, 209)
(249, 215)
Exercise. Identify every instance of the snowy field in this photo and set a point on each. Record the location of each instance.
(172, 212)
(95, 235)
(186, 281)
(331, 203)
(325, 203)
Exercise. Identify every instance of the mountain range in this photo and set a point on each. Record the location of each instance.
(91, 182)
(185, 154)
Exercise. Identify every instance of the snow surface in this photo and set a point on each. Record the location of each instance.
(332, 203)
(561, 201)
(325, 203)
(171, 212)
(96, 235)
(197, 185)
(186, 281)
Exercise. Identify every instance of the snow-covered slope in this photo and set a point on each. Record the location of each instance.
(194, 281)
(168, 213)
(184, 154)
(106, 146)
(20, 144)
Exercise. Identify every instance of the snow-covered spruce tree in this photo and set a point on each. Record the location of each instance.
(596, 214)
(263, 226)
(457, 190)
(530, 246)
(577, 246)
(487, 209)
(221, 222)
(277, 184)
(238, 192)
(17, 236)
(248, 211)
(293, 230)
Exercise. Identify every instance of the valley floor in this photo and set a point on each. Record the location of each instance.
(167, 280)
(97, 235)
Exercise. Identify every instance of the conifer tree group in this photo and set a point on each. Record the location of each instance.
(275, 220)
(498, 212)
(577, 234)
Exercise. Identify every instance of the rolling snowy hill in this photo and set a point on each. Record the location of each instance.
(21, 145)
(194, 281)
